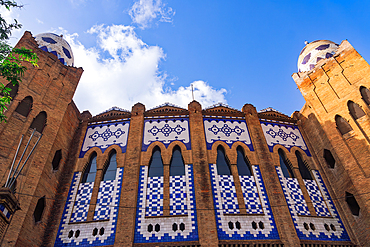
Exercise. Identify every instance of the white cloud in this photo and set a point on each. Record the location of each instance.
(128, 74)
(143, 12)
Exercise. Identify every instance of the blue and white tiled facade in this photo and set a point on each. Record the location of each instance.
(105, 219)
(287, 135)
(229, 200)
(178, 195)
(296, 197)
(166, 130)
(82, 202)
(244, 227)
(227, 130)
(304, 223)
(154, 197)
(250, 193)
(161, 229)
(104, 135)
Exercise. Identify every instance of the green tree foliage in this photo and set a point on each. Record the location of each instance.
(11, 59)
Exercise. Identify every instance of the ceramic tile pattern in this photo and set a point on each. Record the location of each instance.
(82, 202)
(178, 198)
(303, 223)
(250, 194)
(5, 211)
(227, 130)
(104, 200)
(283, 134)
(166, 229)
(104, 135)
(316, 198)
(296, 196)
(229, 201)
(166, 130)
(105, 230)
(243, 227)
(154, 197)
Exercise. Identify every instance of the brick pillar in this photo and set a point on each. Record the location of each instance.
(274, 191)
(127, 211)
(8, 205)
(203, 193)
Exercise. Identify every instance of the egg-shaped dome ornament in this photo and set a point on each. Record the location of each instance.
(315, 51)
(55, 44)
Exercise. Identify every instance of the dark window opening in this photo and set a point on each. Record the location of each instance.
(77, 233)
(14, 90)
(329, 158)
(95, 232)
(157, 227)
(286, 169)
(231, 225)
(90, 171)
(327, 227)
(111, 168)
(312, 226)
(342, 125)
(261, 225)
(182, 226)
(242, 163)
(70, 234)
(305, 225)
(223, 167)
(25, 106)
(177, 167)
(39, 122)
(237, 225)
(305, 173)
(174, 227)
(101, 231)
(355, 110)
(56, 160)
(352, 203)
(37, 214)
(150, 228)
(365, 93)
(254, 225)
(156, 163)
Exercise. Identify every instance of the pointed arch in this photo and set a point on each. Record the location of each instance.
(223, 166)
(243, 164)
(39, 122)
(156, 163)
(109, 172)
(25, 106)
(329, 158)
(305, 173)
(355, 110)
(177, 166)
(285, 167)
(90, 170)
(342, 125)
(365, 93)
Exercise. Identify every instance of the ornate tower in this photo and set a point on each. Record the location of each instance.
(334, 80)
(42, 109)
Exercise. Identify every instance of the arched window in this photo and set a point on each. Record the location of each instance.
(56, 159)
(40, 206)
(25, 106)
(14, 90)
(287, 170)
(365, 93)
(329, 158)
(352, 204)
(111, 168)
(305, 173)
(223, 167)
(39, 122)
(242, 163)
(90, 171)
(342, 125)
(177, 167)
(156, 163)
(355, 111)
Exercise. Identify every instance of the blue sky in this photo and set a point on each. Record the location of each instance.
(234, 52)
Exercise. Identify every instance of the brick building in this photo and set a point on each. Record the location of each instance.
(171, 176)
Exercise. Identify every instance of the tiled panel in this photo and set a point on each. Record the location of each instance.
(229, 201)
(154, 197)
(166, 229)
(83, 234)
(283, 134)
(315, 228)
(166, 130)
(243, 227)
(296, 196)
(105, 135)
(316, 198)
(250, 194)
(227, 130)
(82, 202)
(178, 199)
(5, 211)
(104, 201)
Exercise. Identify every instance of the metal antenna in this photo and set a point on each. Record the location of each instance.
(192, 91)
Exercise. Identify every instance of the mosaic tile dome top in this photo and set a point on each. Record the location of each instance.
(55, 44)
(315, 51)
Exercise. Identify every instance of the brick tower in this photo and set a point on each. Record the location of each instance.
(42, 101)
(335, 81)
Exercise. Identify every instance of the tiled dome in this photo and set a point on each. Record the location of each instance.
(315, 51)
(57, 45)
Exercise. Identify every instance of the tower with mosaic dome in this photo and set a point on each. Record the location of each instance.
(195, 176)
